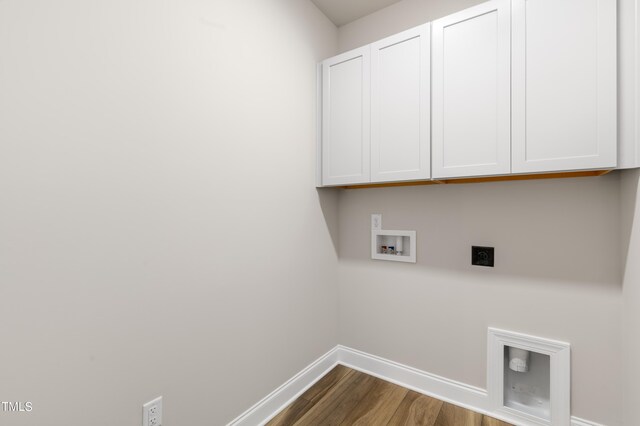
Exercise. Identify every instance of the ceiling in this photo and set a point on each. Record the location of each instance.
(344, 11)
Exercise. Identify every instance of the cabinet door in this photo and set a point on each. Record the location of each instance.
(471, 92)
(564, 85)
(400, 106)
(346, 118)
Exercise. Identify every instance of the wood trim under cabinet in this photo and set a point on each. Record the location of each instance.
(564, 175)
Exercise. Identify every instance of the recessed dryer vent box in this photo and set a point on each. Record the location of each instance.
(529, 378)
(396, 246)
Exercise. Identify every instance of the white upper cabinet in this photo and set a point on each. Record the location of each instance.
(564, 85)
(628, 84)
(471, 92)
(400, 103)
(504, 87)
(346, 118)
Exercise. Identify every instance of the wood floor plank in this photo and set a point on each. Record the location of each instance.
(378, 405)
(346, 397)
(490, 421)
(416, 410)
(310, 397)
(317, 391)
(339, 401)
(450, 415)
(291, 414)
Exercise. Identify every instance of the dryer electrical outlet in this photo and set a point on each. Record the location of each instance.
(483, 256)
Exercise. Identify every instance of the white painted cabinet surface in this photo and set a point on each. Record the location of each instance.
(471, 92)
(564, 85)
(346, 118)
(400, 106)
(629, 84)
(504, 87)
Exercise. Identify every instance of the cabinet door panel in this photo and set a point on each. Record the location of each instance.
(346, 117)
(400, 100)
(471, 92)
(564, 85)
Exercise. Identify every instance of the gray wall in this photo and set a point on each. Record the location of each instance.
(557, 274)
(631, 259)
(395, 18)
(160, 233)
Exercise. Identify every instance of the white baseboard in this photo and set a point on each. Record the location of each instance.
(280, 398)
(438, 387)
(576, 421)
(460, 394)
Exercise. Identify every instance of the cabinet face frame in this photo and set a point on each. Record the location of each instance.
(628, 80)
(421, 113)
(501, 104)
(360, 118)
(605, 95)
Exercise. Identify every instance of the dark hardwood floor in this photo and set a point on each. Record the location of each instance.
(348, 397)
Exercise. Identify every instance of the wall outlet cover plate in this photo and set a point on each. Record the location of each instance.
(152, 413)
(376, 222)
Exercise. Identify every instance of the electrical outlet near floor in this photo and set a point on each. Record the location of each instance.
(152, 413)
